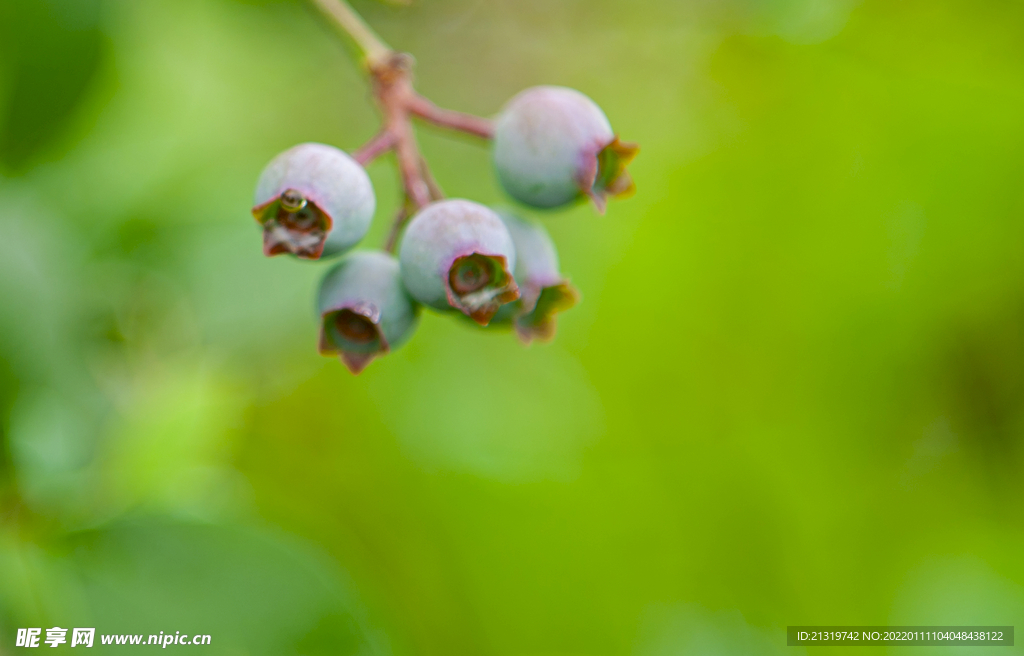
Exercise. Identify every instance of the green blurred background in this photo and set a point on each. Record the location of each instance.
(793, 392)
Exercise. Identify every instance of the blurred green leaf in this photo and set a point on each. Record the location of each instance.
(52, 51)
(253, 591)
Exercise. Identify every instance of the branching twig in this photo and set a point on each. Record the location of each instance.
(436, 193)
(408, 155)
(396, 226)
(391, 74)
(447, 118)
(374, 148)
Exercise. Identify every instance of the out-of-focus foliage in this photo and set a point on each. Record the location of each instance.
(793, 391)
(52, 51)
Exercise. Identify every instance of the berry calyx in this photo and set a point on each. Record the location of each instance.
(610, 175)
(479, 285)
(353, 335)
(355, 328)
(545, 292)
(470, 273)
(295, 226)
(540, 323)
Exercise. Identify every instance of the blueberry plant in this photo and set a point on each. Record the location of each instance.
(552, 147)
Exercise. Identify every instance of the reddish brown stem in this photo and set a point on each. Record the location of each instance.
(436, 193)
(396, 226)
(447, 118)
(408, 154)
(381, 143)
(398, 101)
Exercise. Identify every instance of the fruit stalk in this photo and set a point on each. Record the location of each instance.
(372, 149)
(447, 118)
(373, 48)
(393, 91)
(401, 216)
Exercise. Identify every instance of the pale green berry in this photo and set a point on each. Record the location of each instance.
(313, 201)
(457, 254)
(554, 145)
(364, 310)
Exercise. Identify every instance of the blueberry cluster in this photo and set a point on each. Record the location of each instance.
(552, 146)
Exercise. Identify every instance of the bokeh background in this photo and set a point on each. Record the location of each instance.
(793, 392)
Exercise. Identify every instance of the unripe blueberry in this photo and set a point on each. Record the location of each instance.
(458, 254)
(553, 145)
(313, 201)
(364, 310)
(544, 291)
